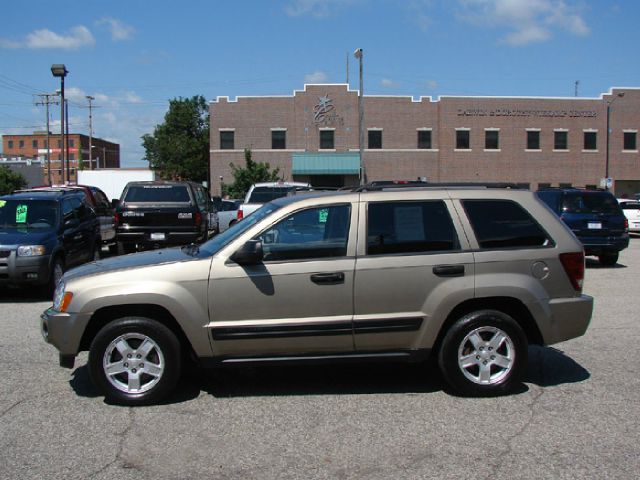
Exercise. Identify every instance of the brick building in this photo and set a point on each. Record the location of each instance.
(313, 136)
(34, 146)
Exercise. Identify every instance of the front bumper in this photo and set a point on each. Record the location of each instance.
(15, 270)
(64, 331)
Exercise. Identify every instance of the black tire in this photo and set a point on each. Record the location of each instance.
(97, 252)
(57, 269)
(609, 259)
(124, 248)
(483, 353)
(140, 375)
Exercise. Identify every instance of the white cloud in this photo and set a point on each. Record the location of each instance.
(530, 21)
(77, 37)
(119, 30)
(431, 85)
(132, 97)
(388, 83)
(316, 77)
(316, 8)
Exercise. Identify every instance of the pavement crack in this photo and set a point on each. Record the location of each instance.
(122, 437)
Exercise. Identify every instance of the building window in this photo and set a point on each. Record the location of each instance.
(71, 143)
(590, 141)
(278, 139)
(630, 141)
(59, 143)
(10, 144)
(533, 139)
(227, 139)
(492, 139)
(463, 140)
(375, 139)
(34, 143)
(327, 139)
(560, 140)
(72, 156)
(424, 139)
(20, 143)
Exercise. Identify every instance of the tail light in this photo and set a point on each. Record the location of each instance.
(117, 219)
(573, 264)
(626, 225)
(240, 214)
(198, 219)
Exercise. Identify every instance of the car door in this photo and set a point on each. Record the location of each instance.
(410, 266)
(73, 236)
(299, 299)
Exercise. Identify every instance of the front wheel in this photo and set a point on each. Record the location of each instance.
(135, 361)
(483, 353)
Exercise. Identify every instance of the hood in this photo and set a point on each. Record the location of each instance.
(126, 262)
(25, 236)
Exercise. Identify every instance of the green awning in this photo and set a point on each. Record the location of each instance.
(326, 163)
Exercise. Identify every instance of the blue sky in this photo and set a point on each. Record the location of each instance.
(134, 55)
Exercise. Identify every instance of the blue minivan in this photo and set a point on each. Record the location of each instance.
(594, 216)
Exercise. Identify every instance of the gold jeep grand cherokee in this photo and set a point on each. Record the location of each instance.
(469, 275)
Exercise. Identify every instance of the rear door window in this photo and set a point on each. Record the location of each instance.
(590, 202)
(409, 227)
(504, 224)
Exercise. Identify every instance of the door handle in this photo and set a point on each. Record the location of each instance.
(328, 278)
(449, 270)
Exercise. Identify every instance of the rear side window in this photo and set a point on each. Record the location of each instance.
(157, 193)
(409, 227)
(630, 205)
(266, 194)
(504, 224)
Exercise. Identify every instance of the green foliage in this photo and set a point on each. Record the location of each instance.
(253, 172)
(179, 147)
(10, 180)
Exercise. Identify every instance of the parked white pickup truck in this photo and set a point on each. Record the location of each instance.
(261, 193)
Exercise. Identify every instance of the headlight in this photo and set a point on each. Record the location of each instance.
(61, 298)
(31, 250)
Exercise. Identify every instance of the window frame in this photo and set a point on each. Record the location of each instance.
(324, 132)
(459, 132)
(227, 143)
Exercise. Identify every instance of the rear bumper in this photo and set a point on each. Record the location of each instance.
(159, 237)
(570, 318)
(600, 245)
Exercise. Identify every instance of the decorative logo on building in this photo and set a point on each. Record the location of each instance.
(324, 113)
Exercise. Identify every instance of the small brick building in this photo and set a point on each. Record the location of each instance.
(313, 136)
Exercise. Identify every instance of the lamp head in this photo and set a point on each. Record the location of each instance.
(59, 70)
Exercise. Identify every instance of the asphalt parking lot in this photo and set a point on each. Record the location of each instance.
(576, 415)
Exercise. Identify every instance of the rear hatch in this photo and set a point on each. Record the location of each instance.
(593, 214)
(159, 208)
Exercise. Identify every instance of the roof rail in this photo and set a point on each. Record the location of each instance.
(435, 185)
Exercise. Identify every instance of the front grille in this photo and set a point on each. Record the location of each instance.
(5, 253)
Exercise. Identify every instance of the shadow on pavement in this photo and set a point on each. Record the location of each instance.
(549, 367)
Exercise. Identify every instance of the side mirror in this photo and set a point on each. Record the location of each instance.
(115, 202)
(72, 223)
(250, 253)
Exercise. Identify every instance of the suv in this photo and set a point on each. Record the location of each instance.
(42, 232)
(594, 216)
(98, 200)
(153, 214)
(471, 276)
(261, 193)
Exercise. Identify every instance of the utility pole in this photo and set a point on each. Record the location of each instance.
(90, 99)
(46, 101)
(576, 89)
(66, 141)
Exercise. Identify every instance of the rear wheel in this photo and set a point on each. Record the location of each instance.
(483, 353)
(135, 360)
(609, 258)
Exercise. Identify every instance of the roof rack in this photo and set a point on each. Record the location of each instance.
(435, 185)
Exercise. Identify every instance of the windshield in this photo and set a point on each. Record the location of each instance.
(157, 193)
(266, 194)
(214, 245)
(28, 213)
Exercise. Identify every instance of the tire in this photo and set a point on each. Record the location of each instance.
(97, 250)
(609, 259)
(135, 361)
(483, 353)
(57, 269)
(124, 248)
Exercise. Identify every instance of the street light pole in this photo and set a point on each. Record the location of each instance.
(606, 164)
(359, 54)
(60, 70)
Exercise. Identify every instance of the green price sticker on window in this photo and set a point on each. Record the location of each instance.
(322, 215)
(21, 214)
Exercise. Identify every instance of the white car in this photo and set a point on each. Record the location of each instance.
(631, 209)
(227, 214)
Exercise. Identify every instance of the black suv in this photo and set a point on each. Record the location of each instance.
(594, 216)
(43, 232)
(151, 214)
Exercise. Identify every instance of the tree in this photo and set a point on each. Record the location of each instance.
(10, 180)
(179, 147)
(253, 172)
